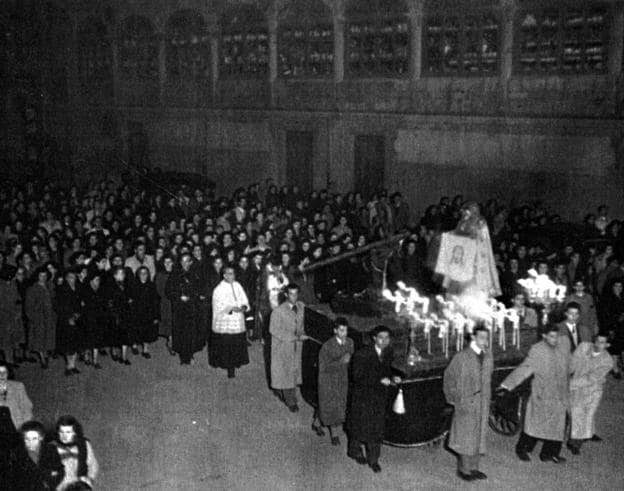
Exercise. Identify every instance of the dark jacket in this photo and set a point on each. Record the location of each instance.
(369, 398)
(44, 475)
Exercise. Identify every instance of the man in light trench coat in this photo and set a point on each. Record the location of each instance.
(467, 386)
(286, 328)
(545, 419)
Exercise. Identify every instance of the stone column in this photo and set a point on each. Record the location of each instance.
(616, 43)
(508, 11)
(272, 24)
(339, 42)
(214, 33)
(114, 40)
(162, 66)
(214, 64)
(416, 19)
(73, 77)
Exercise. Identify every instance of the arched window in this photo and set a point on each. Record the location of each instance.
(563, 39)
(95, 58)
(138, 50)
(377, 38)
(244, 49)
(306, 40)
(188, 47)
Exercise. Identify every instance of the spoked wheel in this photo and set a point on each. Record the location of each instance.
(506, 414)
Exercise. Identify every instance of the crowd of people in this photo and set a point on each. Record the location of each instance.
(106, 269)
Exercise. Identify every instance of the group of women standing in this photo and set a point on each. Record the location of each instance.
(88, 310)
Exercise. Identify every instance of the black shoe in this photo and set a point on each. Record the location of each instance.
(87, 362)
(231, 373)
(97, 366)
(375, 467)
(360, 459)
(523, 456)
(185, 362)
(68, 372)
(75, 371)
(555, 459)
(103, 353)
(294, 408)
(596, 438)
(616, 375)
(335, 441)
(478, 474)
(465, 477)
(135, 351)
(126, 362)
(147, 356)
(318, 430)
(574, 449)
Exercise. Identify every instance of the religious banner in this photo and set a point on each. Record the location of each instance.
(456, 257)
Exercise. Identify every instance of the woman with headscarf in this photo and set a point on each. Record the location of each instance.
(163, 271)
(95, 318)
(145, 312)
(69, 336)
(118, 302)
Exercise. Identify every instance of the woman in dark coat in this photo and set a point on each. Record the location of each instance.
(69, 336)
(333, 378)
(183, 289)
(35, 464)
(166, 316)
(611, 310)
(145, 312)
(118, 302)
(370, 378)
(95, 318)
(41, 317)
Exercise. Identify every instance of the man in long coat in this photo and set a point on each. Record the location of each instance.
(183, 290)
(287, 336)
(545, 419)
(333, 378)
(467, 386)
(371, 375)
(591, 362)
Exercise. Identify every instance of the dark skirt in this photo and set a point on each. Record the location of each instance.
(70, 338)
(143, 332)
(228, 350)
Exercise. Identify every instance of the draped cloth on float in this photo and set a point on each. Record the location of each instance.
(468, 261)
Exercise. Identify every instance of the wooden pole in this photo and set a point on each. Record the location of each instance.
(356, 252)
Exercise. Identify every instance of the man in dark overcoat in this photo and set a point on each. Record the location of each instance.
(467, 388)
(371, 377)
(333, 378)
(183, 289)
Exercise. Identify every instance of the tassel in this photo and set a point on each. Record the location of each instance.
(399, 404)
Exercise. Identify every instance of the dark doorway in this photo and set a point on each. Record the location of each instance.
(299, 158)
(369, 162)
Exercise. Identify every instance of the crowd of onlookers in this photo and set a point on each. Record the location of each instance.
(106, 269)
